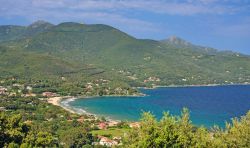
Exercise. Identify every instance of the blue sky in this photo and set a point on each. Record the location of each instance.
(222, 24)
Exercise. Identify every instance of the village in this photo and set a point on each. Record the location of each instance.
(104, 130)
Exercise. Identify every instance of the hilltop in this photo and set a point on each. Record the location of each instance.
(14, 32)
(181, 43)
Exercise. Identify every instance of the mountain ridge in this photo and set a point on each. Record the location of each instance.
(181, 43)
(27, 31)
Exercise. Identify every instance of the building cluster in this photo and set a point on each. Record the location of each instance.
(105, 124)
(107, 141)
(134, 125)
(104, 141)
(91, 88)
(152, 79)
(12, 90)
(3, 90)
(22, 90)
(49, 94)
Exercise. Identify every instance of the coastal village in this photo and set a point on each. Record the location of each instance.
(99, 125)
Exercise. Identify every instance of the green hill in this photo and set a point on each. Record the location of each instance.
(84, 53)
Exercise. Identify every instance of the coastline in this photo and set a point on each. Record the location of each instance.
(57, 102)
(206, 85)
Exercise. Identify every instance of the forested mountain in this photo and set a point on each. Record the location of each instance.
(83, 52)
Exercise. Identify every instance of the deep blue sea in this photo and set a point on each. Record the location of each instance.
(208, 105)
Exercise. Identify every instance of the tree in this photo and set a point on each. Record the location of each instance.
(44, 139)
(145, 135)
(185, 133)
(170, 131)
(13, 145)
(12, 129)
(237, 134)
(76, 137)
(202, 138)
(168, 136)
(40, 139)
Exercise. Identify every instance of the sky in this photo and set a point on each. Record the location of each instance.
(221, 24)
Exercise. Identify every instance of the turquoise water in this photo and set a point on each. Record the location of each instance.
(208, 105)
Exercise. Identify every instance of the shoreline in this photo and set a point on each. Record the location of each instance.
(57, 102)
(207, 85)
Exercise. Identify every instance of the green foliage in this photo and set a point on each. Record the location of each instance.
(12, 129)
(40, 139)
(25, 145)
(173, 131)
(13, 145)
(44, 124)
(76, 137)
(238, 133)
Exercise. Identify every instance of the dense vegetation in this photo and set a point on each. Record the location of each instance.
(30, 122)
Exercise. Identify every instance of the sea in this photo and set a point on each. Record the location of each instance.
(208, 105)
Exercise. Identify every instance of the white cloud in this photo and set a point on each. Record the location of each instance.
(173, 7)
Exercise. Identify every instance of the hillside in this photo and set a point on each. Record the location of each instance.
(82, 53)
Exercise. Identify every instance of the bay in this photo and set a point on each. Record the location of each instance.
(208, 105)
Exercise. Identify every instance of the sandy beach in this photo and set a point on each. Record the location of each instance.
(56, 101)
